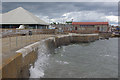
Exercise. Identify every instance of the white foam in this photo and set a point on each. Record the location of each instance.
(62, 62)
(37, 71)
(64, 48)
(107, 55)
(66, 62)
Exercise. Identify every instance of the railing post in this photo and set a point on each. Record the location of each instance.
(39, 34)
(26, 39)
(10, 43)
(36, 35)
(30, 38)
(16, 42)
(21, 41)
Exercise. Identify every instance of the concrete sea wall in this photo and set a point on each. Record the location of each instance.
(18, 65)
(105, 35)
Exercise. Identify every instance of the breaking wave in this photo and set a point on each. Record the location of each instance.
(37, 70)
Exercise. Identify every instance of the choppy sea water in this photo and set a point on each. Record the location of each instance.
(97, 59)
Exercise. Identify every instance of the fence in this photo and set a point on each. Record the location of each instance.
(16, 32)
(14, 39)
(83, 31)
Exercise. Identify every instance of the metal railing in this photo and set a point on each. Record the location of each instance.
(13, 39)
(16, 32)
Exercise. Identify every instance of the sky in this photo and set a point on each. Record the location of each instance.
(60, 0)
(66, 11)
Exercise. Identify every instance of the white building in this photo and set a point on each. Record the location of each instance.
(20, 16)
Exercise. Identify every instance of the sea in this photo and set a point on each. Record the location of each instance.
(97, 59)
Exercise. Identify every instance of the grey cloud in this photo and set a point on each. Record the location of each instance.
(57, 9)
(60, 0)
(54, 9)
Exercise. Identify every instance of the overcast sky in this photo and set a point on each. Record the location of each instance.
(66, 11)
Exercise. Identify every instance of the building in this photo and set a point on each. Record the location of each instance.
(20, 16)
(114, 29)
(83, 27)
(63, 27)
(90, 27)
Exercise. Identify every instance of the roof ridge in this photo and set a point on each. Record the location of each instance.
(90, 23)
(21, 16)
(30, 14)
(33, 16)
(11, 12)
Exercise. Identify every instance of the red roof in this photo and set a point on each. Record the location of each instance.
(90, 23)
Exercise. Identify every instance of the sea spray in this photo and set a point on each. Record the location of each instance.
(37, 71)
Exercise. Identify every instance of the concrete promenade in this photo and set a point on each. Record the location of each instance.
(11, 44)
(21, 51)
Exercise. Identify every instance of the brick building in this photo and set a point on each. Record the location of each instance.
(90, 27)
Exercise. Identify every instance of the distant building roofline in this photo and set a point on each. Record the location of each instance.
(90, 23)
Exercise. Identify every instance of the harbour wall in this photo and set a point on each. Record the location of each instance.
(105, 35)
(18, 65)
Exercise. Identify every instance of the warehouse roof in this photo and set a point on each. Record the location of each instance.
(21, 16)
(90, 23)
